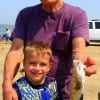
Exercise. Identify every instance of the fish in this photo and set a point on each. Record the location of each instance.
(77, 80)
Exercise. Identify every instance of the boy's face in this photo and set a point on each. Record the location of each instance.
(36, 67)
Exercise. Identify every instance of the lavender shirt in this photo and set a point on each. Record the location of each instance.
(58, 29)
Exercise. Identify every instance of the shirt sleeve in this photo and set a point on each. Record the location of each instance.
(80, 26)
(20, 27)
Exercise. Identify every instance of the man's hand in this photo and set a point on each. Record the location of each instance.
(86, 60)
(80, 53)
(8, 92)
(90, 66)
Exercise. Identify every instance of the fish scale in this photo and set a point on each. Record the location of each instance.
(77, 81)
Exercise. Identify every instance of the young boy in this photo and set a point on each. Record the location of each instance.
(36, 85)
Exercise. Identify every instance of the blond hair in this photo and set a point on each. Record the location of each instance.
(37, 47)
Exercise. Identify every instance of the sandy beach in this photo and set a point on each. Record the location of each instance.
(92, 83)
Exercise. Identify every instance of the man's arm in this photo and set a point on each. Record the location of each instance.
(79, 52)
(11, 67)
(78, 48)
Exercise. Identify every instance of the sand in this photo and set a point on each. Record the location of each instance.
(92, 83)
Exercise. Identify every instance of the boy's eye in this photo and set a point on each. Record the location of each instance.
(43, 64)
(33, 63)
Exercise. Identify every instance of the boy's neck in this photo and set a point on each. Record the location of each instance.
(37, 86)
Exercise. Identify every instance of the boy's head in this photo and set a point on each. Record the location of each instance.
(37, 61)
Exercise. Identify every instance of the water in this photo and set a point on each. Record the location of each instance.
(3, 28)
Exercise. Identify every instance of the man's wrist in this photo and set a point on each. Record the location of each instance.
(5, 82)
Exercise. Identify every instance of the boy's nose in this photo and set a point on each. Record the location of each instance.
(37, 67)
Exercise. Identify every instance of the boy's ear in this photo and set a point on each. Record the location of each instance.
(23, 62)
(49, 66)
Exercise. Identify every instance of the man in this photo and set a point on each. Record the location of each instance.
(65, 28)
